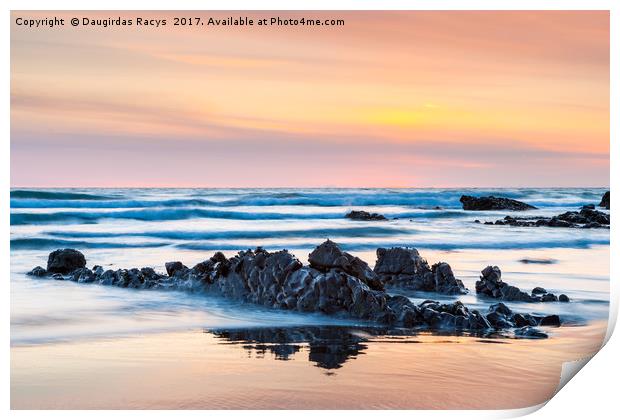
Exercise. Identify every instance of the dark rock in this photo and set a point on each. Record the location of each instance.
(605, 201)
(551, 321)
(538, 261)
(444, 280)
(396, 261)
(524, 320)
(404, 267)
(364, 215)
(478, 322)
(491, 284)
(586, 217)
(149, 273)
(135, 278)
(563, 298)
(499, 316)
(107, 278)
(328, 256)
(83, 275)
(38, 271)
(500, 308)
(493, 203)
(174, 267)
(64, 261)
(58, 276)
(556, 222)
(530, 332)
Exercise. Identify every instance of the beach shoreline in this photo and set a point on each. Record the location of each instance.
(197, 370)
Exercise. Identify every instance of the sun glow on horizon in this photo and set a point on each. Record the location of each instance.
(407, 98)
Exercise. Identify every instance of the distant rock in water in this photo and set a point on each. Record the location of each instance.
(404, 267)
(493, 203)
(605, 201)
(364, 215)
(64, 261)
(491, 285)
(538, 261)
(586, 218)
(335, 284)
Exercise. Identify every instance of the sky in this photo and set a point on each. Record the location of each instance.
(390, 99)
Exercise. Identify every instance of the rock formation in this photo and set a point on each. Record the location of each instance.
(493, 203)
(491, 285)
(335, 283)
(64, 261)
(364, 215)
(605, 201)
(587, 218)
(404, 267)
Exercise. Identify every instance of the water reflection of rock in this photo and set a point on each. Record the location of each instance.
(329, 347)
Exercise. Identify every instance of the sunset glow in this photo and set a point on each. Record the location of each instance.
(390, 99)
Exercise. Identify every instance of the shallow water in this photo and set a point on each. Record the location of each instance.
(59, 325)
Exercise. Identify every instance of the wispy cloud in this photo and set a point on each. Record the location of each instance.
(407, 98)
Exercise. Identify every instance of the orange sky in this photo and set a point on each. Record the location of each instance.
(400, 99)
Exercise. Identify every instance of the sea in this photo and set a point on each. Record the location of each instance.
(125, 228)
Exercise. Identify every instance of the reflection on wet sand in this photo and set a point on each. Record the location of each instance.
(328, 347)
(276, 368)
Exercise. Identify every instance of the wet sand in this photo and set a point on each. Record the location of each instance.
(301, 368)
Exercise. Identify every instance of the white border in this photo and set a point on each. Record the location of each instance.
(592, 395)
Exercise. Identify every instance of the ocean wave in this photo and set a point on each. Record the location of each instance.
(56, 195)
(369, 231)
(421, 199)
(157, 215)
(372, 246)
(111, 204)
(47, 243)
(66, 217)
(220, 244)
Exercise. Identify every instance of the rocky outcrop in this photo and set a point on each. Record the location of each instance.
(64, 261)
(493, 203)
(335, 283)
(538, 261)
(491, 285)
(328, 256)
(364, 215)
(605, 201)
(38, 271)
(174, 266)
(404, 267)
(586, 218)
